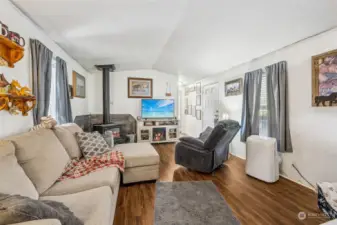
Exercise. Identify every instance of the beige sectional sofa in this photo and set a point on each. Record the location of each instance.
(141, 162)
(31, 163)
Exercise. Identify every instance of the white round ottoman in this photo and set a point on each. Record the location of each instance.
(262, 159)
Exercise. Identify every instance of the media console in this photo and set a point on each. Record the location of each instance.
(158, 131)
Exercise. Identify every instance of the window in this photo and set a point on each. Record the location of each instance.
(263, 122)
(52, 103)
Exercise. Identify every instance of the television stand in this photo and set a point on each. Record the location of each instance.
(158, 130)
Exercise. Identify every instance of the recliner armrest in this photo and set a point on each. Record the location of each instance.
(195, 142)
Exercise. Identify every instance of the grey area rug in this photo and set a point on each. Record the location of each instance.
(191, 203)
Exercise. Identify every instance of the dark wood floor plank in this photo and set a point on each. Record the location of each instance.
(252, 201)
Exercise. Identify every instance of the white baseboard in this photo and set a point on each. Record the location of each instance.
(238, 156)
(308, 187)
(285, 177)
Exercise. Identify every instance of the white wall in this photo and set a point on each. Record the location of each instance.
(17, 22)
(120, 103)
(312, 129)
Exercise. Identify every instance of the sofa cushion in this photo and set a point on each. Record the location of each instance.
(92, 144)
(41, 156)
(138, 154)
(193, 142)
(205, 134)
(217, 133)
(229, 124)
(13, 179)
(103, 177)
(72, 127)
(66, 134)
(93, 207)
(141, 173)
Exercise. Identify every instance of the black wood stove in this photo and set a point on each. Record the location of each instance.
(107, 125)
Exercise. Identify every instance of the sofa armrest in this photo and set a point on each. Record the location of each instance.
(194, 142)
(40, 222)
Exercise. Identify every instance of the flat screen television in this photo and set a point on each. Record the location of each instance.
(157, 108)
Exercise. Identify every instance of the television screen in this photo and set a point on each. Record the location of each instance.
(157, 108)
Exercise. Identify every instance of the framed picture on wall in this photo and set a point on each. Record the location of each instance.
(324, 79)
(233, 87)
(140, 87)
(78, 85)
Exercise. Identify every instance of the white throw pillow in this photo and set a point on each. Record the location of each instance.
(12, 177)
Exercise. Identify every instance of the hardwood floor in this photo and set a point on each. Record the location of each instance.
(252, 201)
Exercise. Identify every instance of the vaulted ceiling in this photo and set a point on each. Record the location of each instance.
(184, 37)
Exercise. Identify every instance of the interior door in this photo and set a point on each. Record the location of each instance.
(210, 106)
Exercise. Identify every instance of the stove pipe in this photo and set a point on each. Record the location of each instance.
(106, 69)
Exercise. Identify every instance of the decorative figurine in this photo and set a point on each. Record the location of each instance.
(3, 81)
(15, 98)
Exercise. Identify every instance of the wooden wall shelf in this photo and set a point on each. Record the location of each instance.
(10, 51)
(14, 104)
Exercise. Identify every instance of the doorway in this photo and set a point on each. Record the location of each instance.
(180, 110)
(210, 106)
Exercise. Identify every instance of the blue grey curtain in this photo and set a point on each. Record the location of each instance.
(41, 76)
(251, 104)
(277, 103)
(63, 106)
